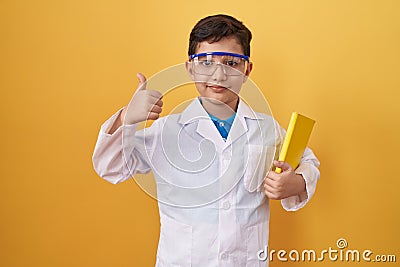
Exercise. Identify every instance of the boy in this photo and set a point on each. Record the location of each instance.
(216, 212)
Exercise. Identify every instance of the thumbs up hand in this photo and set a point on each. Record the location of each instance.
(145, 104)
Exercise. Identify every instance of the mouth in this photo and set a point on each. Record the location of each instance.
(216, 88)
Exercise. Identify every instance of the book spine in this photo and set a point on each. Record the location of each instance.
(286, 142)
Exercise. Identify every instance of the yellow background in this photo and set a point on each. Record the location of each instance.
(66, 66)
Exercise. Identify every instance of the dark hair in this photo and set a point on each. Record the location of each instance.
(214, 28)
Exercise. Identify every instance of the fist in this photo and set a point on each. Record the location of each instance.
(144, 105)
(285, 184)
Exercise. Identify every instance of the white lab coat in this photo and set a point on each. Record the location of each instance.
(213, 210)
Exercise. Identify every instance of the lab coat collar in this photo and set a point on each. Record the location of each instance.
(245, 111)
(195, 112)
(205, 127)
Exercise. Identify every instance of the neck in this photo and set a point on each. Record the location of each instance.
(218, 109)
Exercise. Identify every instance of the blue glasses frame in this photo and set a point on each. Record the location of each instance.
(219, 54)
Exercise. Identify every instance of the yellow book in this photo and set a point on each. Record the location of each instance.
(296, 139)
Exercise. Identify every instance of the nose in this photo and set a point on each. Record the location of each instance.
(219, 73)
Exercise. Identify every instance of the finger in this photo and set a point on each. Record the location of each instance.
(273, 196)
(153, 116)
(270, 195)
(273, 176)
(142, 81)
(270, 192)
(159, 103)
(270, 183)
(155, 101)
(283, 165)
(156, 109)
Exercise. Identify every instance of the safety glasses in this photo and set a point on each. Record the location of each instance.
(207, 63)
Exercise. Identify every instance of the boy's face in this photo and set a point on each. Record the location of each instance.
(219, 86)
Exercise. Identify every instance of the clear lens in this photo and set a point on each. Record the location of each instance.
(231, 65)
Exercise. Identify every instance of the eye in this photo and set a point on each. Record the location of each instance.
(206, 62)
(231, 63)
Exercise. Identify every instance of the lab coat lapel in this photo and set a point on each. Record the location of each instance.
(240, 127)
(205, 127)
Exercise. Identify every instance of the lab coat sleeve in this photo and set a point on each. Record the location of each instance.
(117, 156)
(308, 168)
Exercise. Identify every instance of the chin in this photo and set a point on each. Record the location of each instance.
(217, 100)
(220, 99)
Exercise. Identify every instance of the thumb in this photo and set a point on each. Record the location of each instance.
(283, 165)
(142, 81)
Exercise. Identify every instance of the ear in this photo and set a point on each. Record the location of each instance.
(248, 70)
(189, 68)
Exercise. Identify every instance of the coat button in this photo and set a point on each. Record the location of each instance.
(224, 256)
(226, 205)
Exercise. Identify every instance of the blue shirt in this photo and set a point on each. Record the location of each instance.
(223, 126)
